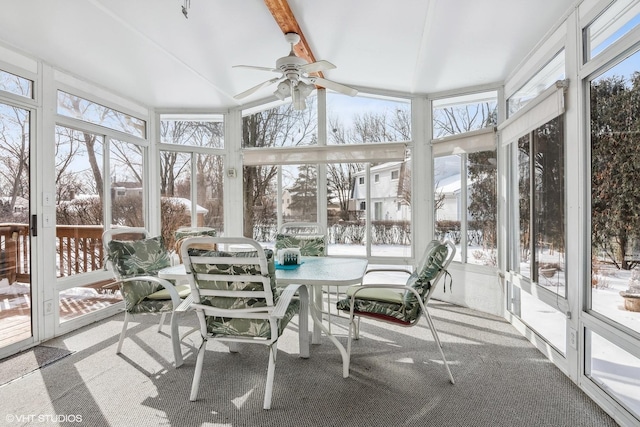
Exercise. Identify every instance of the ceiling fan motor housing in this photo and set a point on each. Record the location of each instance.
(290, 66)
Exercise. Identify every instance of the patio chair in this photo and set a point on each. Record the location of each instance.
(236, 300)
(135, 258)
(183, 233)
(401, 304)
(311, 238)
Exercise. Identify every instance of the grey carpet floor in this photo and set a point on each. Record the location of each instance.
(25, 362)
(397, 379)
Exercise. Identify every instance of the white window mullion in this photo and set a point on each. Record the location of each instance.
(367, 213)
(280, 195)
(463, 208)
(194, 189)
(106, 182)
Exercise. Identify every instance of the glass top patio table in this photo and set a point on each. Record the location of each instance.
(324, 271)
(315, 272)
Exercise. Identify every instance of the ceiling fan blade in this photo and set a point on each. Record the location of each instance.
(317, 66)
(333, 86)
(253, 67)
(256, 88)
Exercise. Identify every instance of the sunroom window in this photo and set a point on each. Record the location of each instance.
(76, 107)
(365, 119)
(536, 278)
(16, 85)
(281, 160)
(611, 25)
(192, 173)
(615, 154)
(464, 113)
(198, 130)
(465, 175)
(553, 71)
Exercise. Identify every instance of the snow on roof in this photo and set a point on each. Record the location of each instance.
(187, 204)
(448, 185)
(20, 201)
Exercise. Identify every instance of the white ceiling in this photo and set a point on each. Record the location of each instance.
(147, 50)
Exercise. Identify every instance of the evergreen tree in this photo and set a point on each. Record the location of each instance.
(303, 193)
(615, 165)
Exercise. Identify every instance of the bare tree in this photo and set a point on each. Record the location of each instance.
(14, 140)
(463, 118)
(173, 164)
(386, 126)
(276, 127)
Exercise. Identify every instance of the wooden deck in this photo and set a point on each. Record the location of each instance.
(78, 250)
(15, 308)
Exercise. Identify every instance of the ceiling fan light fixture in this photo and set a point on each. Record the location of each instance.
(299, 102)
(283, 90)
(305, 89)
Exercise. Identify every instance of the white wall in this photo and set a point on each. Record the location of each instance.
(478, 288)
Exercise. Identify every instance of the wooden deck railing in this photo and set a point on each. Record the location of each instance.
(12, 246)
(78, 250)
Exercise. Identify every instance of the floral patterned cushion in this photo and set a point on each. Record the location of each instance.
(195, 232)
(421, 279)
(184, 233)
(309, 244)
(182, 290)
(384, 310)
(239, 326)
(404, 309)
(147, 305)
(131, 258)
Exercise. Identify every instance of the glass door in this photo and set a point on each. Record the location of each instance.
(16, 316)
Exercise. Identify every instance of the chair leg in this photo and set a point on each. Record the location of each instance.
(198, 371)
(123, 332)
(303, 323)
(349, 338)
(437, 340)
(163, 317)
(273, 351)
(175, 339)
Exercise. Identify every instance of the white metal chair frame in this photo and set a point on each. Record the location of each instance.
(272, 313)
(354, 328)
(109, 235)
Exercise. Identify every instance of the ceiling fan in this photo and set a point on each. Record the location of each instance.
(295, 80)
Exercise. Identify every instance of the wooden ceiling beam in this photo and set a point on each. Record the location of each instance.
(288, 24)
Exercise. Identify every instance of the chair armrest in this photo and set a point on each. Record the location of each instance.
(113, 284)
(175, 298)
(388, 270)
(359, 288)
(185, 305)
(285, 298)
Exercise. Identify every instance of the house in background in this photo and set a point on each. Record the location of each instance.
(200, 211)
(391, 197)
(286, 201)
(388, 197)
(21, 204)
